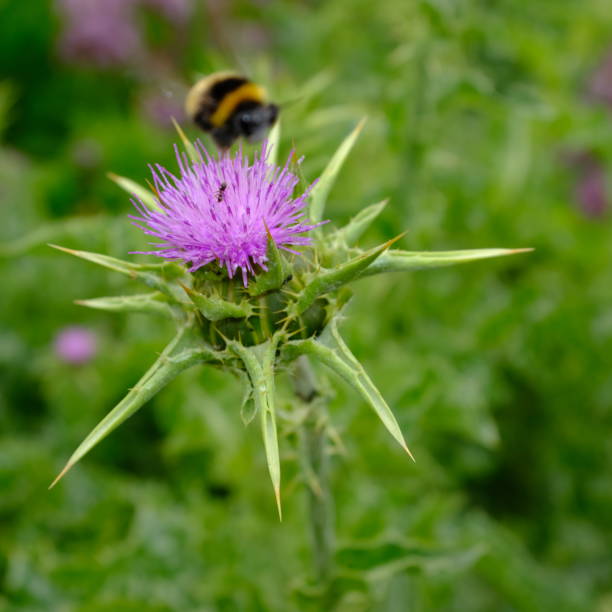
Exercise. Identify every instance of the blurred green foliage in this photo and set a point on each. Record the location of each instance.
(497, 371)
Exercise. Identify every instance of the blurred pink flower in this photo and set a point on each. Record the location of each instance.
(177, 11)
(99, 32)
(599, 86)
(590, 184)
(75, 344)
(161, 108)
(590, 192)
(106, 33)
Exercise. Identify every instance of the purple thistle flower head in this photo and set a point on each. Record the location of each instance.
(221, 210)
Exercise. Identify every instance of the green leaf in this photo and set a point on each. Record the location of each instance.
(168, 270)
(248, 409)
(402, 261)
(352, 231)
(274, 276)
(151, 303)
(133, 270)
(137, 190)
(319, 193)
(191, 151)
(79, 227)
(259, 364)
(112, 263)
(215, 308)
(168, 366)
(342, 274)
(383, 556)
(331, 350)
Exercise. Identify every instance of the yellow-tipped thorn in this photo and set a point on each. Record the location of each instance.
(223, 337)
(298, 331)
(152, 188)
(361, 123)
(393, 240)
(525, 250)
(60, 475)
(278, 503)
(405, 447)
(179, 129)
(61, 248)
(268, 234)
(186, 289)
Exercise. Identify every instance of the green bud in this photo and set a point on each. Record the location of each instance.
(214, 308)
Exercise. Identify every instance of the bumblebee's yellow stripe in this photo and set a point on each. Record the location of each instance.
(248, 91)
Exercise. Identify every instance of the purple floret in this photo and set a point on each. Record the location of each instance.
(218, 211)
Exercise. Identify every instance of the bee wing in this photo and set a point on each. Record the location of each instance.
(163, 99)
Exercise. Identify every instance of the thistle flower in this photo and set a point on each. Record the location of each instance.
(75, 345)
(222, 210)
(244, 216)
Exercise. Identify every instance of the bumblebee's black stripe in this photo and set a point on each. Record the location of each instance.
(219, 90)
(201, 120)
(246, 105)
(213, 97)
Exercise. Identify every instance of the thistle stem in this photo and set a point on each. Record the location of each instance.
(265, 317)
(315, 467)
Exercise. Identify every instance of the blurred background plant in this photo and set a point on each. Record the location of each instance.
(485, 121)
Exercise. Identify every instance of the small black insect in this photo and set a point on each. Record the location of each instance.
(221, 191)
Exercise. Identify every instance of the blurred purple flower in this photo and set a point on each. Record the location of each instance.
(221, 209)
(252, 36)
(599, 85)
(590, 192)
(75, 344)
(161, 108)
(590, 186)
(176, 11)
(99, 32)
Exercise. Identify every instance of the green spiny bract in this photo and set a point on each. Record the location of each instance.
(288, 310)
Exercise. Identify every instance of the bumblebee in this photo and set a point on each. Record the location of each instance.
(227, 105)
